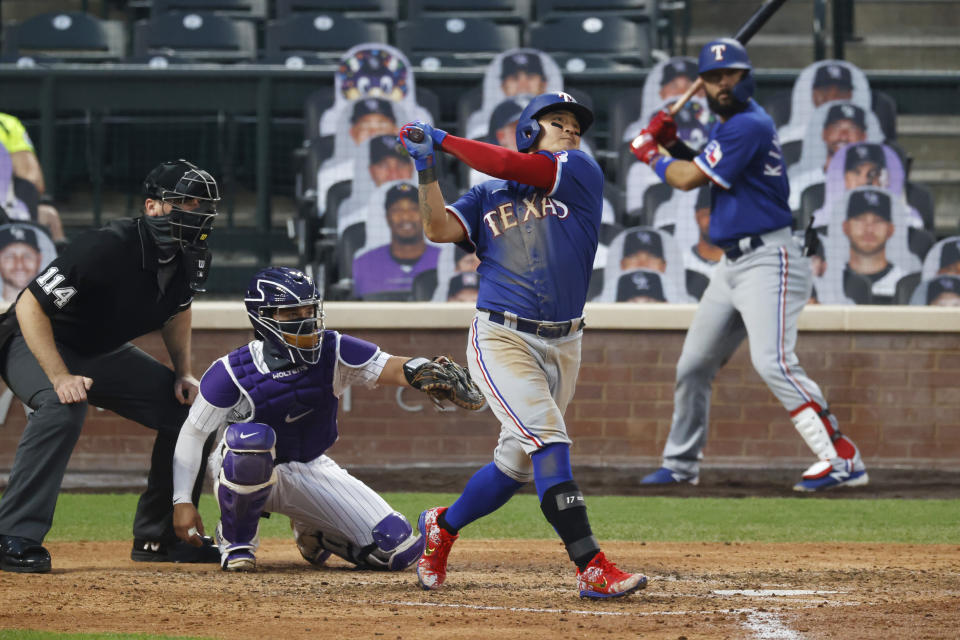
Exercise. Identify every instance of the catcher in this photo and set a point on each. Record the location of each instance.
(276, 399)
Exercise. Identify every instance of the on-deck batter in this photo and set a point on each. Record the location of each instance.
(758, 289)
(535, 232)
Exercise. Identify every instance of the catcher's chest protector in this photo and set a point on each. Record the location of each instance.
(298, 403)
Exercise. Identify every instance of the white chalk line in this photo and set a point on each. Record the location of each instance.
(480, 607)
(587, 612)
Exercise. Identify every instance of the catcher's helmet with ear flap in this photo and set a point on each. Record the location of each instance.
(727, 53)
(291, 294)
(528, 129)
(177, 183)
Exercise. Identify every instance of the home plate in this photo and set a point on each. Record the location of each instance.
(759, 593)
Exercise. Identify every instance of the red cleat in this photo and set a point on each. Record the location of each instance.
(602, 579)
(432, 567)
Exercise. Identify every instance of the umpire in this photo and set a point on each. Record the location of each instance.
(64, 345)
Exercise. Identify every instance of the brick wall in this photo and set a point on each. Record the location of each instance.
(896, 394)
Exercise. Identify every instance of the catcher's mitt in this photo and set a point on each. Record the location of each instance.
(443, 379)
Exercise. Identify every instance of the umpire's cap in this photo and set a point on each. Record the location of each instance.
(528, 129)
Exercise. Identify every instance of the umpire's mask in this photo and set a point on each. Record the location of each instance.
(193, 195)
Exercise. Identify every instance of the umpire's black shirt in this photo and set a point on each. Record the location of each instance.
(104, 289)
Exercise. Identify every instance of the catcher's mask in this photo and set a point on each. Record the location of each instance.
(286, 310)
(178, 183)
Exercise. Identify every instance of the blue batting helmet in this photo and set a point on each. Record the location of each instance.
(727, 53)
(527, 126)
(277, 288)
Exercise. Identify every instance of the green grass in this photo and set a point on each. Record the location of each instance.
(109, 517)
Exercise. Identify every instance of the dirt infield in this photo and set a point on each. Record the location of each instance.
(505, 589)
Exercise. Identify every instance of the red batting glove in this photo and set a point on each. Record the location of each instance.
(663, 128)
(644, 146)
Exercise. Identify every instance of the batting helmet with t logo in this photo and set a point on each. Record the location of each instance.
(528, 129)
(727, 53)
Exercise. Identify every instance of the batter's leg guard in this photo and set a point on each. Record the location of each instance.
(243, 486)
(839, 461)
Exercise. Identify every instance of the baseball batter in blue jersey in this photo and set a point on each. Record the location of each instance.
(535, 232)
(760, 286)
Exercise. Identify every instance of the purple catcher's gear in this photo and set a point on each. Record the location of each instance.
(279, 289)
(356, 352)
(395, 546)
(299, 401)
(244, 484)
(398, 546)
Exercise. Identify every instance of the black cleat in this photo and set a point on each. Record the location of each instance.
(179, 551)
(23, 555)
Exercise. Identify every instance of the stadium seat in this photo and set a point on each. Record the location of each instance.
(351, 240)
(424, 284)
(455, 41)
(327, 35)
(617, 199)
(27, 193)
(810, 200)
(375, 10)
(596, 284)
(70, 36)
(921, 198)
(905, 288)
(885, 108)
(622, 110)
(653, 197)
(314, 105)
(632, 9)
(388, 296)
(336, 194)
(504, 11)
(598, 42)
(857, 287)
(778, 107)
(309, 157)
(253, 9)
(920, 241)
(792, 151)
(200, 36)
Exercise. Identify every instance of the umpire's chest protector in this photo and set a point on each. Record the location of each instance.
(298, 403)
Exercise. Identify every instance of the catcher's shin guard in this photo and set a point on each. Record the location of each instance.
(243, 485)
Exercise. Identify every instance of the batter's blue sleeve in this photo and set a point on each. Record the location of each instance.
(734, 144)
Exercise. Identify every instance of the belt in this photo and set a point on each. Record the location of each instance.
(744, 245)
(537, 328)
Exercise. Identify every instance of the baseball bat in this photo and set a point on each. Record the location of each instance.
(743, 35)
(414, 134)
